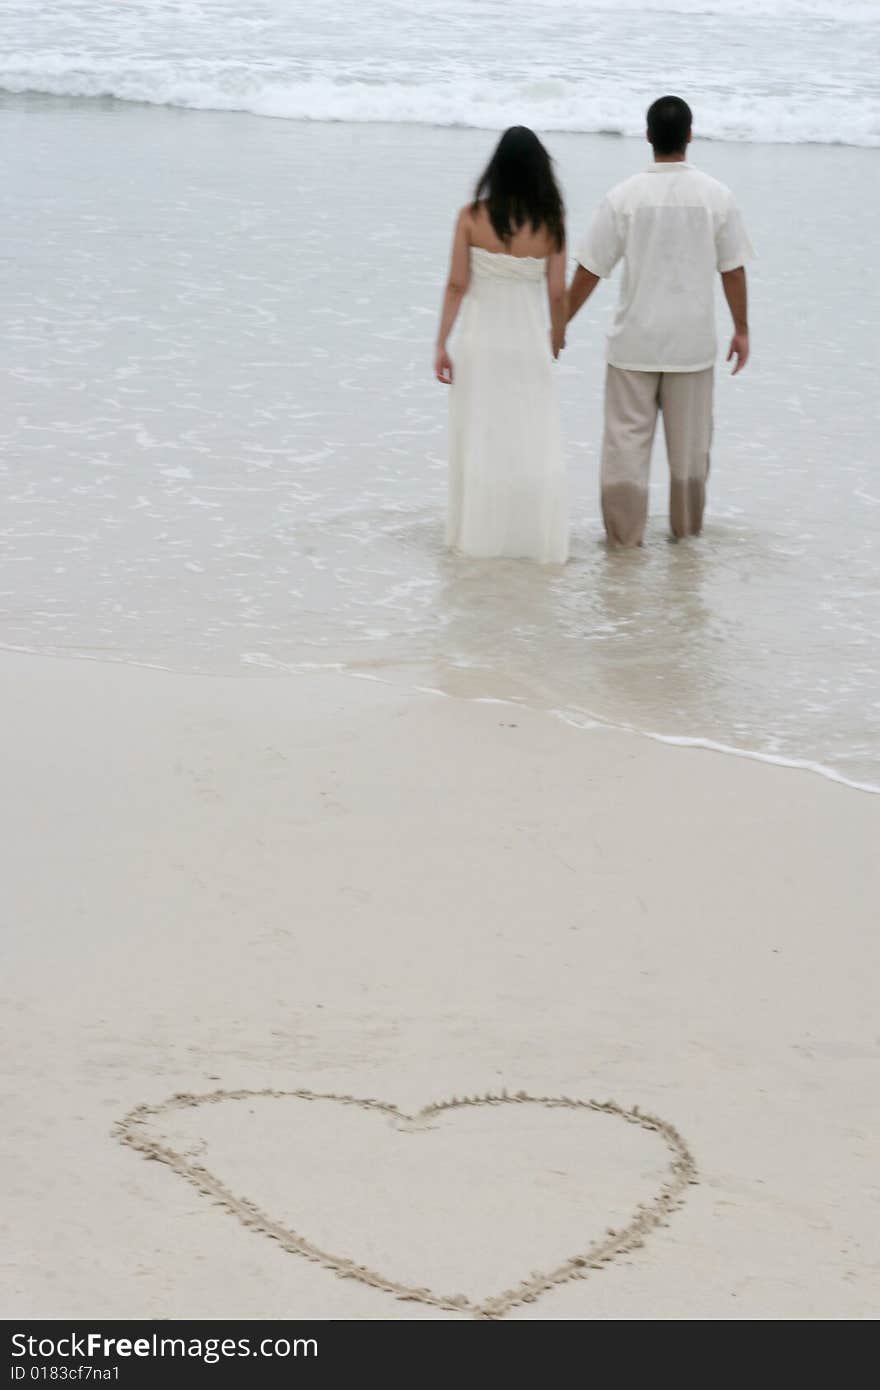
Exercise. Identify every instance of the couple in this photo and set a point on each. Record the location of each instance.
(674, 228)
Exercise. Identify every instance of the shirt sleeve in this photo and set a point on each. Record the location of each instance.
(732, 244)
(602, 247)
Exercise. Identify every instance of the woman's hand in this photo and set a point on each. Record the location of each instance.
(557, 343)
(443, 367)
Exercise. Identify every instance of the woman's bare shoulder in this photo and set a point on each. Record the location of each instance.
(470, 216)
(479, 227)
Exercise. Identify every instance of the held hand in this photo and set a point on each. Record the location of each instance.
(443, 367)
(739, 348)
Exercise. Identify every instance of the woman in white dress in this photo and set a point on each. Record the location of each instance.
(507, 484)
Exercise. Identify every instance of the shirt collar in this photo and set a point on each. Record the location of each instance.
(668, 166)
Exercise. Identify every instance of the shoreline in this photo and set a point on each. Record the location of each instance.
(581, 719)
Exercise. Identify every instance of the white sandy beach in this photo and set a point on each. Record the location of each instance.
(325, 883)
(336, 875)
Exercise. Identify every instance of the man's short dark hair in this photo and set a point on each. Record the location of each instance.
(669, 125)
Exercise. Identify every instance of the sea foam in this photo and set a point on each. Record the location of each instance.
(766, 71)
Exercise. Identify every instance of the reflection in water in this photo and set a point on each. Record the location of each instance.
(494, 617)
(706, 639)
(622, 635)
(652, 653)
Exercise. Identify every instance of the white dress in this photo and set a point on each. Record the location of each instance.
(507, 485)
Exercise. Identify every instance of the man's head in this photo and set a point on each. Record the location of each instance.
(669, 126)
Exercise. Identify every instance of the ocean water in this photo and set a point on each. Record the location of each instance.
(758, 70)
(221, 445)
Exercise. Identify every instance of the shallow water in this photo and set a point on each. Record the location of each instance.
(223, 449)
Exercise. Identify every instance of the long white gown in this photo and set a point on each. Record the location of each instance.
(508, 494)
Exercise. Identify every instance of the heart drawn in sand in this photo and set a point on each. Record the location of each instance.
(466, 1189)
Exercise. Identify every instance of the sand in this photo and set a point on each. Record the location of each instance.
(323, 884)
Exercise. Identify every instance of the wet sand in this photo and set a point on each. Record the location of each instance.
(327, 884)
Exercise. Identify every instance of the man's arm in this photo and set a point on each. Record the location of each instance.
(581, 288)
(602, 247)
(736, 294)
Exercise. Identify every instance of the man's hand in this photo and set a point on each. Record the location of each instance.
(443, 367)
(739, 349)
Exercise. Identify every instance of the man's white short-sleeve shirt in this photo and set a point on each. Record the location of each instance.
(675, 228)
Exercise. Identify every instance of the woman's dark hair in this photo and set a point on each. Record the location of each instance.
(518, 186)
(669, 125)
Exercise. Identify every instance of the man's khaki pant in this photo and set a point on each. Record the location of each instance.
(632, 400)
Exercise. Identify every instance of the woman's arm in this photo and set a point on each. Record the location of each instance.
(456, 288)
(558, 300)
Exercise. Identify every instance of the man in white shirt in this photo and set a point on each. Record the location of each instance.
(674, 228)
